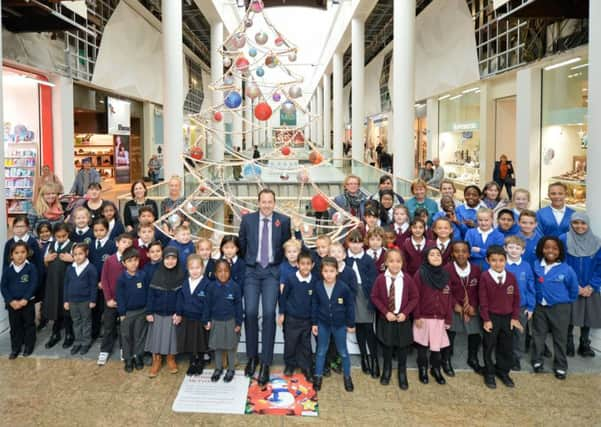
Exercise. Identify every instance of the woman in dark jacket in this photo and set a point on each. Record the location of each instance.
(130, 212)
(504, 174)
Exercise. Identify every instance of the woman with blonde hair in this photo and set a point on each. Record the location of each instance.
(46, 206)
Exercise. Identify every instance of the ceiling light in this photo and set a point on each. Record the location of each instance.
(474, 89)
(442, 98)
(561, 64)
(455, 97)
(577, 67)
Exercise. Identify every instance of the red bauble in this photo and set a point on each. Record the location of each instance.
(299, 137)
(263, 111)
(285, 150)
(218, 116)
(242, 64)
(196, 153)
(319, 203)
(315, 157)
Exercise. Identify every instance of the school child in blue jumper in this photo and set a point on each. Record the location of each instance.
(155, 257)
(467, 212)
(556, 286)
(364, 268)
(530, 234)
(20, 229)
(292, 249)
(183, 243)
(116, 228)
(506, 224)
(132, 293)
(482, 237)
(100, 249)
(18, 286)
(82, 233)
(514, 247)
(223, 319)
(192, 337)
(204, 248)
(554, 220)
(333, 314)
(584, 256)
(81, 286)
(295, 315)
(229, 248)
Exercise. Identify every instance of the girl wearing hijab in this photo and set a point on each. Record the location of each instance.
(584, 256)
(433, 314)
(161, 308)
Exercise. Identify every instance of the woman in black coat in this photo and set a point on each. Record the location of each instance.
(504, 174)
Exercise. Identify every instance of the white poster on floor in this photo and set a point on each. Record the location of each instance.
(199, 394)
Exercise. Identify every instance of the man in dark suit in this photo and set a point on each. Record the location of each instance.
(262, 235)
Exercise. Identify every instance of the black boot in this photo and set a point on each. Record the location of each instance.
(375, 367)
(192, 368)
(570, 350)
(251, 366)
(386, 372)
(200, 364)
(403, 383)
(473, 363)
(263, 375)
(348, 384)
(54, 339)
(423, 374)
(435, 372)
(317, 382)
(584, 349)
(365, 368)
(448, 368)
(68, 341)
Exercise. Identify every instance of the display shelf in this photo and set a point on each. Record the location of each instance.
(19, 157)
(94, 145)
(22, 143)
(568, 181)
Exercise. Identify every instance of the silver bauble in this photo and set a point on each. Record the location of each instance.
(261, 37)
(292, 57)
(252, 91)
(288, 107)
(295, 92)
(248, 22)
(227, 62)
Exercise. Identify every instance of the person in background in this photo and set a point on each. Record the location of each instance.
(352, 198)
(419, 190)
(47, 177)
(437, 175)
(447, 188)
(256, 152)
(520, 202)
(174, 198)
(504, 175)
(491, 197)
(132, 207)
(94, 202)
(427, 172)
(385, 183)
(237, 168)
(85, 176)
(154, 169)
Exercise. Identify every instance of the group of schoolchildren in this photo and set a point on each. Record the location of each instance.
(398, 282)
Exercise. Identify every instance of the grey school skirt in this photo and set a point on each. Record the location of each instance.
(474, 326)
(223, 336)
(587, 311)
(162, 336)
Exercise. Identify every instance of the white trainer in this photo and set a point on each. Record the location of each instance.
(102, 358)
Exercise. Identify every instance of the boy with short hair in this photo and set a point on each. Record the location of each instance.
(146, 216)
(295, 315)
(514, 247)
(183, 243)
(554, 220)
(506, 223)
(111, 270)
(132, 287)
(142, 243)
(530, 234)
(499, 296)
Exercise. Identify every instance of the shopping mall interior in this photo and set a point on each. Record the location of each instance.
(194, 108)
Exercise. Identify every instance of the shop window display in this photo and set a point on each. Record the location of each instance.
(459, 136)
(100, 149)
(564, 132)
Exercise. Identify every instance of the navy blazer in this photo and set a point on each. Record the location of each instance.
(336, 311)
(368, 273)
(249, 237)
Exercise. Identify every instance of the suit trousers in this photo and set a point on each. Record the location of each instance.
(261, 285)
(22, 327)
(133, 333)
(500, 342)
(81, 313)
(297, 342)
(554, 319)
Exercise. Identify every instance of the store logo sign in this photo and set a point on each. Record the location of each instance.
(460, 127)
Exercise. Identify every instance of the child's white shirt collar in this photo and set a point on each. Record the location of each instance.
(496, 276)
(25, 238)
(81, 267)
(462, 272)
(303, 279)
(18, 268)
(510, 262)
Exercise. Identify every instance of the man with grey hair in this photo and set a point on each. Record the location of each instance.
(438, 174)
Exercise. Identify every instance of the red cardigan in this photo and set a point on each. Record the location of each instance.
(433, 303)
(111, 270)
(457, 286)
(412, 258)
(379, 296)
(499, 299)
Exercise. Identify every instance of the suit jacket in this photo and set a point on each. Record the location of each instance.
(249, 237)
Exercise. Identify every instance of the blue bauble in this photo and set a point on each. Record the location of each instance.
(260, 72)
(252, 52)
(251, 170)
(233, 100)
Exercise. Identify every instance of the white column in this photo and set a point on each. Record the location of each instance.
(63, 129)
(319, 113)
(358, 86)
(338, 119)
(173, 83)
(248, 123)
(148, 132)
(237, 122)
(327, 112)
(593, 179)
(216, 151)
(3, 220)
(432, 125)
(486, 149)
(528, 115)
(403, 64)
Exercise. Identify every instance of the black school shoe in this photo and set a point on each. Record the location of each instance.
(216, 375)
(475, 365)
(288, 371)
(308, 374)
(517, 366)
(27, 352)
(75, 349)
(192, 368)
(423, 374)
(490, 382)
(448, 368)
(560, 374)
(317, 381)
(13, 355)
(68, 341)
(435, 372)
(229, 376)
(348, 384)
(506, 379)
(585, 350)
(538, 368)
(84, 349)
(54, 339)
(138, 363)
(129, 366)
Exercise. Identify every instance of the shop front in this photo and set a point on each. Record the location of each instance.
(420, 136)
(564, 131)
(27, 136)
(459, 136)
(108, 133)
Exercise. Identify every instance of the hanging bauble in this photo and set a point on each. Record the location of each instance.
(174, 220)
(233, 100)
(251, 170)
(271, 61)
(279, 40)
(337, 218)
(237, 41)
(288, 107)
(299, 137)
(303, 176)
(218, 116)
(227, 62)
(252, 91)
(295, 92)
(261, 37)
(196, 153)
(228, 79)
(276, 97)
(263, 111)
(248, 22)
(319, 203)
(189, 208)
(284, 176)
(315, 157)
(252, 52)
(285, 150)
(256, 6)
(292, 57)
(242, 64)
(260, 71)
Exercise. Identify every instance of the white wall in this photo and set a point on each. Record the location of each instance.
(63, 129)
